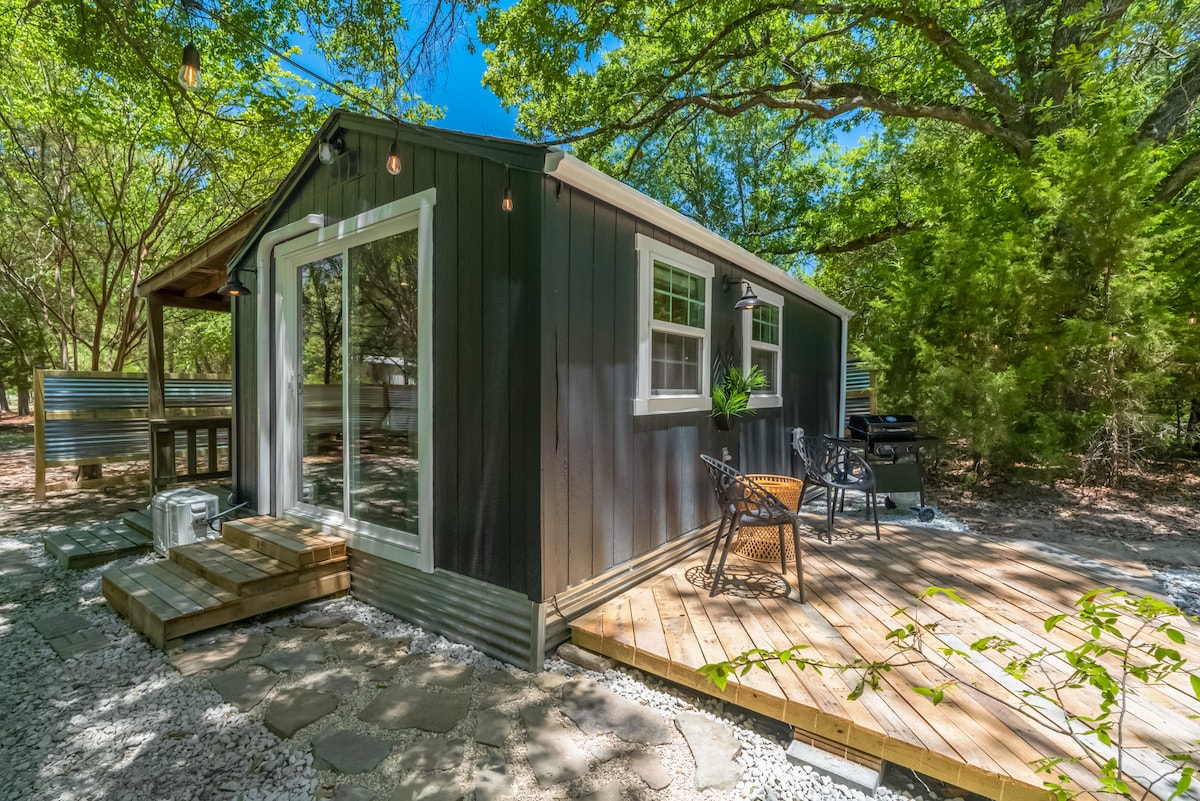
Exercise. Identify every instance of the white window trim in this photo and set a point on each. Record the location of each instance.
(762, 400)
(414, 212)
(649, 251)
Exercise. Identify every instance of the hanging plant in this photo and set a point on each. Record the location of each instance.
(731, 395)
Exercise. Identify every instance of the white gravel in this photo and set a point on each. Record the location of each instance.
(121, 723)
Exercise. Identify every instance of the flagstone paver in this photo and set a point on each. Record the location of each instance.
(332, 680)
(492, 728)
(404, 707)
(352, 792)
(650, 769)
(283, 661)
(294, 708)
(428, 787)
(347, 752)
(550, 749)
(244, 689)
(219, 653)
(492, 781)
(713, 748)
(597, 710)
(434, 753)
(446, 674)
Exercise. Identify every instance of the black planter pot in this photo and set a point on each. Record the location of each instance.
(723, 422)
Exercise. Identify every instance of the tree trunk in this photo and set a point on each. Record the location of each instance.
(4, 399)
(23, 401)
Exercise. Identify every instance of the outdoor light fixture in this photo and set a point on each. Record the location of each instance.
(330, 149)
(393, 163)
(234, 287)
(749, 299)
(507, 203)
(189, 72)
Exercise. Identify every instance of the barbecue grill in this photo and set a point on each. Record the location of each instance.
(892, 444)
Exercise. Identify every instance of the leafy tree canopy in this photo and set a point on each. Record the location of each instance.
(1019, 234)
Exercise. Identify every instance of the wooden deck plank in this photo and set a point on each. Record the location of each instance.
(972, 740)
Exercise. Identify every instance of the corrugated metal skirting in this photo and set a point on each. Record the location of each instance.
(501, 623)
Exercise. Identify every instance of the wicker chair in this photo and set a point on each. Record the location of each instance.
(744, 503)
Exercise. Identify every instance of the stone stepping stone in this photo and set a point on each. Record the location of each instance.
(551, 752)
(218, 654)
(589, 660)
(713, 746)
(243, 689)
(77, 643)
(650, 769)
(596, 710)
(305, 657)
(404, 707)
(500, 695)
(289, 634)
(429, 787)
(294, 709)
(492, 728)
(323, 621)
(445, 674)
(491, 779)
(434, 753)
(605, 792)
(500, 678)
(61, 625)
(331, 680)
(346, 752)
(549, 681)
(352, 792)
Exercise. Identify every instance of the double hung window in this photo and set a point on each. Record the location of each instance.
(674, 329)
(762, 346)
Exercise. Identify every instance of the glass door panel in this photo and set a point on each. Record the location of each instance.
(322, 471)
(382, 364)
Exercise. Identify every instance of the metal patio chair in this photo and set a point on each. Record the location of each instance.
(835, 467)
(744, 503)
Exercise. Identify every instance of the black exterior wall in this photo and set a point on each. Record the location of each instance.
(486, 333)
(616, 485)
(543, 476)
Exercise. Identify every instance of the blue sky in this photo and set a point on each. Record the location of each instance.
(468, 105)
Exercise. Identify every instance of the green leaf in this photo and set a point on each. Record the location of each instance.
(1195, 679)
(1053, 621)
(1175, 636)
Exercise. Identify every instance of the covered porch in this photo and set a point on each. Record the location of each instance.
(977, 739)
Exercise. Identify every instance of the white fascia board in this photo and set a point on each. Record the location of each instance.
(576, 173)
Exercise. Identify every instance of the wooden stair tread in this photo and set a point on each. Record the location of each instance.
(287, 542)
(168, 591)
(81, 548)
(139, 521)
(245, 571)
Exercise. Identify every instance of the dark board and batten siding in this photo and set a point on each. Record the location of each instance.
(616, 486)
(486, 334)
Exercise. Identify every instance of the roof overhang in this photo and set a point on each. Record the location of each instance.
(576, 173)
(192, 280)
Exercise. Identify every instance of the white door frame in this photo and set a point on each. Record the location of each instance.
(277, 475)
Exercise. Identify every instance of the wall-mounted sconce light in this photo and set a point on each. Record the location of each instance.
(749, 299)
(233, 287)
(330, 149)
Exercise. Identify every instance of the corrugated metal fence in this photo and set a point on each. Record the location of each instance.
(860, 390)
(86, 418)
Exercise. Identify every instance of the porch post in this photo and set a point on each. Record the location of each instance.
(162, 455)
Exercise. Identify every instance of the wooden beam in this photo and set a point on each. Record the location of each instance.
(156, 378)
(217, 248)
(219, 303)
(39, 435)
(206, 287)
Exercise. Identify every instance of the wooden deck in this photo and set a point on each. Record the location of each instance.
(668, 626)
(260, 564)
(103, 542)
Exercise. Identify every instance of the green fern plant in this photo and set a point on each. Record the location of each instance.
(731, 395)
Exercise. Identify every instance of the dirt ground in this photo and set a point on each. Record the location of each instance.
(1163, 502)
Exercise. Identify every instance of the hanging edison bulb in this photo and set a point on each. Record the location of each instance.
(393, 163)
(189, 72)
(507, 202)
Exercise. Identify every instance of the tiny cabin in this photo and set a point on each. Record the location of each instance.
(487, 366)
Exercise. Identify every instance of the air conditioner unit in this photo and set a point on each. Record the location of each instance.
(180, 517)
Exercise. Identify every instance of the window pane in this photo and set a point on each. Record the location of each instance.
(383, 415)
(321, 359)
(678, 296)
(675, 364)
(764, 324)
(766, 360)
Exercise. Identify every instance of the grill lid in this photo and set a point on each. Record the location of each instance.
(883, 426)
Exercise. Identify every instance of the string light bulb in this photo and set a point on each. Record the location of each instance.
(507, 202)
(393, 164)
(189, 71)
(1114, 337)
(1192, 320)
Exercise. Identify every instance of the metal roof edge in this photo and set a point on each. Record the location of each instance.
(571, 170)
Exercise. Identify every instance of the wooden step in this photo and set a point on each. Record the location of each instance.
(243, 571)
(165, 601)
(82, 548)
(288, 542)
(140, 521)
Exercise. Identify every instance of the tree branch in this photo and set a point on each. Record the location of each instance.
(1176, 103)
(882, 235)
(1179, 178)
